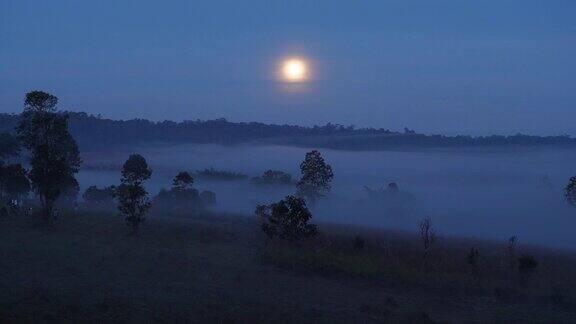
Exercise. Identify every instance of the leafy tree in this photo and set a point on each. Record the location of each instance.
(287, 219)
(132, 196)
(182, 180)
(135, 170)
(54, 154)
(14, 184)
(316, 177)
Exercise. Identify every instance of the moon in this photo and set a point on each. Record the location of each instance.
(294, 70)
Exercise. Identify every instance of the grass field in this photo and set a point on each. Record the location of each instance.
(219, 269)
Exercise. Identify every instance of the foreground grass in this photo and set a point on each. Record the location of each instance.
(217, 269)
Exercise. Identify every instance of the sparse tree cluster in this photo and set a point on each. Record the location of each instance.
(272, 177)
(182, 198)
(99, 197)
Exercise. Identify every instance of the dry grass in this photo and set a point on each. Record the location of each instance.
(210, 269)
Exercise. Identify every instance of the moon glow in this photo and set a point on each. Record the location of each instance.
(294, 70)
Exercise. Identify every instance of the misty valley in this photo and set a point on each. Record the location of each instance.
(257, 161)
(117, 232)
(484, 193)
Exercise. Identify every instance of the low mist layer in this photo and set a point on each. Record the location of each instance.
(487, 194)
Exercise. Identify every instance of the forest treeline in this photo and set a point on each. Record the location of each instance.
(93, 131)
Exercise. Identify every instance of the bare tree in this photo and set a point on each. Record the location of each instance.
(511, 252)
(427, 234)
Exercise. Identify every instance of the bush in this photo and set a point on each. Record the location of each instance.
(358, 243)
(213, 174)
(96, 196)
(272, 177)
(527, 264)
(287, 219)
(472, 259)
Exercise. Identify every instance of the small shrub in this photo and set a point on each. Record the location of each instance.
(527, 264)
(95, 196)
(472, 257)
(358, 243)
(511, 252)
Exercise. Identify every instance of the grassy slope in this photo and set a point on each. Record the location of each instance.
(88, 269)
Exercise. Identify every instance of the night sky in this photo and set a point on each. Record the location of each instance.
(472, 67)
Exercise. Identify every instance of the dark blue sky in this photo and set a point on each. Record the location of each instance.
(475, 67)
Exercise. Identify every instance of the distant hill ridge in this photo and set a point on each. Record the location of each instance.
(94, 132)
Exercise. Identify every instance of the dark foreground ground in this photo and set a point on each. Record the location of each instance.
(218, 269)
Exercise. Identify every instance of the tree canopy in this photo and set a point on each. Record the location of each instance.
(287, 219)
(316, 176)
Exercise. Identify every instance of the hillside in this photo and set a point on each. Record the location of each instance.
(94, 132)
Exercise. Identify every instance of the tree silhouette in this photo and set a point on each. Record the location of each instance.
(316, 177)
(272, 177)
(54, 154)
(182, 180)
(132, 196)
(287, 219)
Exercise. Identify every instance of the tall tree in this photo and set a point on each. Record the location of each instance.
(316, 177)
(132, 196)
(54, 155)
